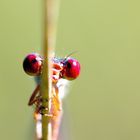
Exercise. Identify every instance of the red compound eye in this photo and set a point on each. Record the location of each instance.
(32, 64)
(71, 69)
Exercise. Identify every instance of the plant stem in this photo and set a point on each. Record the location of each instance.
(50, 17)
(45, 82)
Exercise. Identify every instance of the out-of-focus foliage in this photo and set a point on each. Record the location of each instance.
(104, 103)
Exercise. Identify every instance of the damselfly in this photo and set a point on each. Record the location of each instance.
(63, 70)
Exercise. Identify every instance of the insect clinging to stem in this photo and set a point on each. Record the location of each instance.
(62, 69)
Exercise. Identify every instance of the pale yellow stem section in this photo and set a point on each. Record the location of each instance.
(50, 23)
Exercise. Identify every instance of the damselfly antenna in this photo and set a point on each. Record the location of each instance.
(65, 58)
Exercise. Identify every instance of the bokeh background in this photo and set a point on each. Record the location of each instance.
(104, 102)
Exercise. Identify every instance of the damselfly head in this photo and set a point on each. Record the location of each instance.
(71, 68)
(32, 64)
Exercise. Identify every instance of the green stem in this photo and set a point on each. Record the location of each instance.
(50, 21)
(45, 81)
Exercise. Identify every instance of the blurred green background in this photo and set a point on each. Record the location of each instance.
(104, 102)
